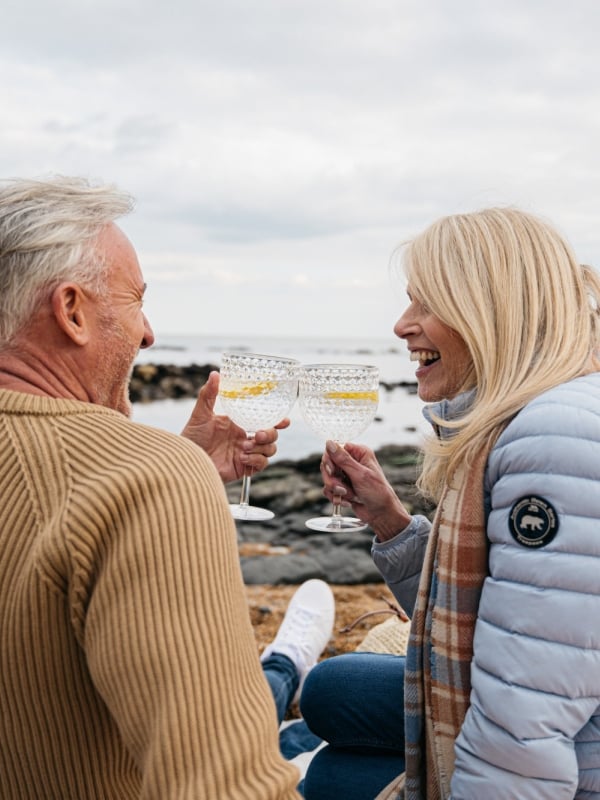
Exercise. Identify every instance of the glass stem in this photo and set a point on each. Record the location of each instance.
(336, 517)
(246, 480)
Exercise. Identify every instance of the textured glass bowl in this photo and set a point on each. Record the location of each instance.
(257, 391)
(338, 401)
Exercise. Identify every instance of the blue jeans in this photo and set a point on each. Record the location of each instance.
(355, 702)
(282, 677)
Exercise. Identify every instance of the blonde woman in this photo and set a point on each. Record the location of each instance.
(502, 676)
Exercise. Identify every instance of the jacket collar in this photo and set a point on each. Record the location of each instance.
(448, 410)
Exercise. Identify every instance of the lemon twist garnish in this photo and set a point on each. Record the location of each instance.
(251, 390)
(369, 395)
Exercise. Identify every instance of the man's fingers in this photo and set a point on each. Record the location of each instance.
(255, 461)
(266, 451)
(266, 437)
(210, 390)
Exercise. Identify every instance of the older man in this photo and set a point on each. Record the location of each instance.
(128, 664)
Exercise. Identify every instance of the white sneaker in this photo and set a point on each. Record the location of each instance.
(306, 627)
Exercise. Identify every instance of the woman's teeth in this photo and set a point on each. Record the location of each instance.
(424, 356)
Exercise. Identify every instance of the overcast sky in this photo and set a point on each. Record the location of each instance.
(280, 149)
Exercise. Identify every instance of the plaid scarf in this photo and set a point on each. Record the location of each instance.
(438, 663)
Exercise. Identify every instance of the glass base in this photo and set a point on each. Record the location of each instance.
(331, 524)
(250, 513)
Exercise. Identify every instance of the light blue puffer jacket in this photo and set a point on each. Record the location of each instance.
(532, 731)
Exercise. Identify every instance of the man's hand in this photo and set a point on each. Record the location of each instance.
(225, 442)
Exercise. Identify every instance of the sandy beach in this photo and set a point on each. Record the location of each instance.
(267, 605)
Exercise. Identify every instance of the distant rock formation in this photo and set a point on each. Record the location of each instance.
(167, 381)
(170, 381)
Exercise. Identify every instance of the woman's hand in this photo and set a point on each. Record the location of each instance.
(354, 473)
(225, 442)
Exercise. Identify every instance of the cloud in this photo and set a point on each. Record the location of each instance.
(286, 148)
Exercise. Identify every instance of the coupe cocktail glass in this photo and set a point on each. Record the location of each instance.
(257, 391)
(338, 401)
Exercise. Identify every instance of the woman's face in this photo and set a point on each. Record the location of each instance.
(444, 361)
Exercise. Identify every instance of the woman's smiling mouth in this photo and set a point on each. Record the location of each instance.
(424, 357)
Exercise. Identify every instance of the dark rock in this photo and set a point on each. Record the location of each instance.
(292, 568)
(293, 491)
(348, 567)
(167, 381)
(333, 564)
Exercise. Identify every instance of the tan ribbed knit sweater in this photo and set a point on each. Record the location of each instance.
(128, 663)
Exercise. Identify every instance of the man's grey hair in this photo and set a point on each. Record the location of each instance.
(48, 232)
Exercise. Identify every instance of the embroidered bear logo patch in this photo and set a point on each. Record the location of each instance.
(533, 522)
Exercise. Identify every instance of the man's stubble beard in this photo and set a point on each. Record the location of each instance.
(116, 366)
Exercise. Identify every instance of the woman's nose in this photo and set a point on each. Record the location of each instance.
(405, 325)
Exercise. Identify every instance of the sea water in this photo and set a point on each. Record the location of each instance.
(399, 418)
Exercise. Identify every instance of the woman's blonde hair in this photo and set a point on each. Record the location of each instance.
(511, 287)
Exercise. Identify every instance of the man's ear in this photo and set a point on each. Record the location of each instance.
(69, 305)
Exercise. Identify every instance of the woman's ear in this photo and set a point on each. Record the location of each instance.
(69, 305)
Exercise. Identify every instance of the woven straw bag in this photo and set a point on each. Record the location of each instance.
(390, 636)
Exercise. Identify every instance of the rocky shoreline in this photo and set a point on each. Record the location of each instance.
(283, 550)
(171, 381)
